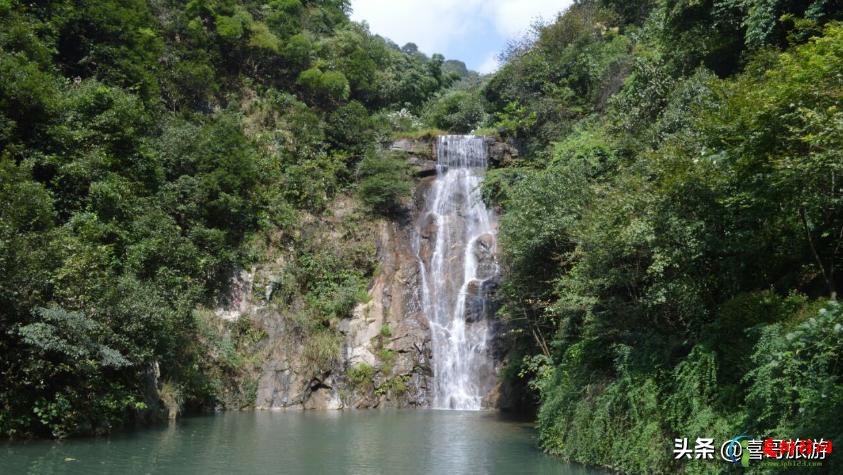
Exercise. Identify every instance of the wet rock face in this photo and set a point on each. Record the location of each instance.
(479, 300)
(484, 252)
(475, 302)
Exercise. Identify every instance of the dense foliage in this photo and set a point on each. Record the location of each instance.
(673, 234)
(148, 149)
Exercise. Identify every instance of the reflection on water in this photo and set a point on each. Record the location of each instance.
(301, 442)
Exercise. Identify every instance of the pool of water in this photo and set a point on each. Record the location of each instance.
(357, 442)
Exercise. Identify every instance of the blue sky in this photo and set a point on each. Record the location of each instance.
(474, 31)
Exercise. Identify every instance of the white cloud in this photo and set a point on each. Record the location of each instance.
(431, 24)
(513, 17)
(435, 24)
(490, 65)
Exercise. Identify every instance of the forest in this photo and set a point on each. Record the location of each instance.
(671, 231)
(150, 148)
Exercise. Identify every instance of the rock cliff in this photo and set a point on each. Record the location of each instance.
(384, 348)
(383, 357)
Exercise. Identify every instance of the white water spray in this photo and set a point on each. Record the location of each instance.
(456, 255)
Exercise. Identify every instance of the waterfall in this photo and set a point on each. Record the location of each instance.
(456, 246)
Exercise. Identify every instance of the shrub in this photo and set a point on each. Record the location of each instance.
(456, 111)
(384, 183)
(172, 397)
(351, 128)
(321, 349)
(325, 87)
(361, 374)
(387, 358)
(393, 386)
(796, 384)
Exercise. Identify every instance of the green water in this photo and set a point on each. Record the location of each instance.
(356, 442)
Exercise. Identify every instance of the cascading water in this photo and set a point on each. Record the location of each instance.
(456, 255)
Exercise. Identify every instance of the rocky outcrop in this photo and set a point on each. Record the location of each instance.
(500, 153)
(239, 298)
(390, 333)
(384, 358)
(419, 155)
(288, 379)
(384, 349)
